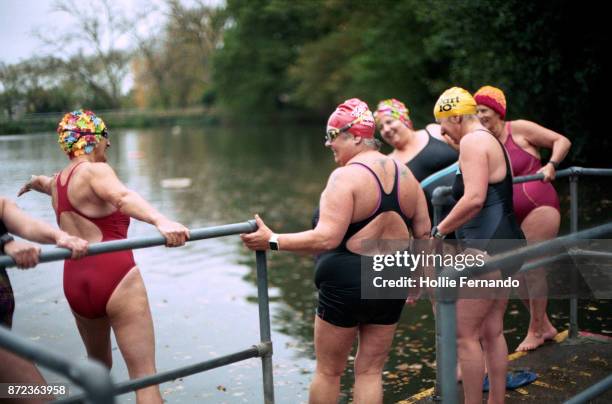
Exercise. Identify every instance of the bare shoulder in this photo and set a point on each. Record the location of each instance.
(434, 130)
(100, 170)
(339, 174)
(522, 126)
(474, 141)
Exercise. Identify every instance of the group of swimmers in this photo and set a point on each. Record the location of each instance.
(369, 196)
(376, 197)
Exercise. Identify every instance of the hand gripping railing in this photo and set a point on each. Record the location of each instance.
(441, 196)
(100, 385)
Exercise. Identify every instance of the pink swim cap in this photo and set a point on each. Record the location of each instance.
(353, 111)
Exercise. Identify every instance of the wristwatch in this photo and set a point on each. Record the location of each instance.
(273, 242)
(5, 239)
(435, 233)
(554, 164)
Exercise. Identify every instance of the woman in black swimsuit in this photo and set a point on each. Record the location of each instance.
(370, 197)
(427, 153)
(483, 189)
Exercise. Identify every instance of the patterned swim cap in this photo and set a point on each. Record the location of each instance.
(394, 108)
(453, 102)
(357, 111)
(493, 98)
(79, 131)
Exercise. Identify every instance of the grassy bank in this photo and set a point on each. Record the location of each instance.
(115, 119)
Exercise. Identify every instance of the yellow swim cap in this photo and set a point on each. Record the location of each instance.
(454, 101)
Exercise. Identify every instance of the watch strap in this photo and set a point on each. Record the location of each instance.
(5, 239)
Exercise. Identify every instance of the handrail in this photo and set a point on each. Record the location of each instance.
(440, 193)
(592, 392)
(162, 377)
(57, 254)
(510, 258)
(92, 376)
(446, 355)
(95, 379)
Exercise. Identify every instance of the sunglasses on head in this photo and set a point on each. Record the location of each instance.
(333, 133)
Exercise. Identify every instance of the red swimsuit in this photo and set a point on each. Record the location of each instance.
(90, 281)
(528, 195)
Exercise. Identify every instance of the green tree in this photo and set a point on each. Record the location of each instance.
(262, 39)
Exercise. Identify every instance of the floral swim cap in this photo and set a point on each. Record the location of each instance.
(79, 131)
(394, 108)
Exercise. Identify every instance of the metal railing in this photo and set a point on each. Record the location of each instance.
(446, 345)
(95, 380)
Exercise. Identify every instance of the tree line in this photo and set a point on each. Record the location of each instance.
(266, 60)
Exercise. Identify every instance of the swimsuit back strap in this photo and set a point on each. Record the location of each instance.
(372, 172)
(69, 175)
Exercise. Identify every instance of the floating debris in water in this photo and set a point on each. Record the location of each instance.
(176, 183)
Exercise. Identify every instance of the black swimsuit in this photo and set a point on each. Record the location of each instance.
(496, 219)
(7, 301)
(435, 156)
(434, 159)
(338, 274)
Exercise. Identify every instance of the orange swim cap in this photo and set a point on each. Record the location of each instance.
(453, 102)
(493, 98)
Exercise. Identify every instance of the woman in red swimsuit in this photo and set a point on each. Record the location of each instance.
(536, 204)
(104, 291)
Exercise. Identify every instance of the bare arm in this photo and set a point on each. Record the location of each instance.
(540, 136)
(22, 225)
(107, 187)
(40, 183)
(475, 169)
(421, 225)
(336, 206)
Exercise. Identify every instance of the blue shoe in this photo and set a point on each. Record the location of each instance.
(514, 379)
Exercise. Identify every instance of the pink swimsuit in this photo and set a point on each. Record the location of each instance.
(528, 195)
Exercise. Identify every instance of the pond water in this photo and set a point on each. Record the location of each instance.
(203, 296)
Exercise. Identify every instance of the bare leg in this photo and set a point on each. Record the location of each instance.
(332, 347)
(374, 344)
(15, 369)
(95, 334)
(130, 317)
(540, 224)
(471, 314)
(496, 350)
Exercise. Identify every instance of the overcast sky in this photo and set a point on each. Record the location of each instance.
(19, 18)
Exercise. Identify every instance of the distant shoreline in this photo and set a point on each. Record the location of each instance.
(29, 123)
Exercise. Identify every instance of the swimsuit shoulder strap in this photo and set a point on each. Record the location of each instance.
(69, 175)
(373, 173)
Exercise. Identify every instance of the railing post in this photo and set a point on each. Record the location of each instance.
(446, 309)
(437, 396)
(264, 325)
(573, 329)
(445, 389)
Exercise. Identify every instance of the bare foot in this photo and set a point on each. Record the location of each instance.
(550, 333)
(531, 342)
